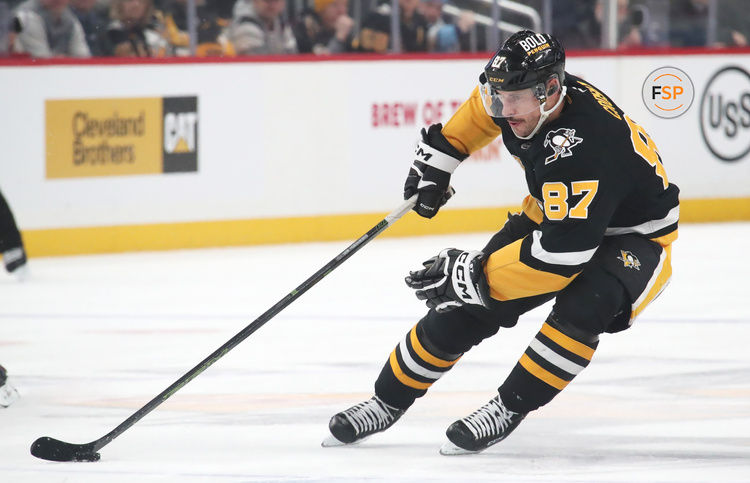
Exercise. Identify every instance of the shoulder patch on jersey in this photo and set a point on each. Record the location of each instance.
(562, 141)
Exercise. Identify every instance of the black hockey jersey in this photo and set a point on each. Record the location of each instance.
(592, 172)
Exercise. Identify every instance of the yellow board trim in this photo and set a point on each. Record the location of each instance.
(714, 209)
(223, 233)
(424, 355)
(403, 378)
(566, 342)
(541, 373)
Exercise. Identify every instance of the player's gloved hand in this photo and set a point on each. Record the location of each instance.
(430, 174)
(451, 279)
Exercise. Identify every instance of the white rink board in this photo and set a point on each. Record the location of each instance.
(283, 139)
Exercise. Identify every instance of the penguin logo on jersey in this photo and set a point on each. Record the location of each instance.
(562, 141)
(629, 260)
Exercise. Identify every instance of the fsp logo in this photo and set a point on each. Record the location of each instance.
(668, 92)
(725, 114)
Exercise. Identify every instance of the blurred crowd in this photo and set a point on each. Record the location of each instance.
(160, 28)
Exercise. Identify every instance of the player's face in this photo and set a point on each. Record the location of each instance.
(521, 110)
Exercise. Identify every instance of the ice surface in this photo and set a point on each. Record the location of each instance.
(89, 340)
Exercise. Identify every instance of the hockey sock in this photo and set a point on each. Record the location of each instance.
(551, 361)
(9, 235)
(413, 366)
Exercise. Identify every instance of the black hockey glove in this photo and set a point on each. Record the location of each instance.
(430, 174)
(451, 279)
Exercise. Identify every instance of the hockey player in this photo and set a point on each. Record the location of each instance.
(11, 245)
(594, 233)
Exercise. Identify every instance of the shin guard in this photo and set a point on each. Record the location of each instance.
(413, 366)
(554, 357)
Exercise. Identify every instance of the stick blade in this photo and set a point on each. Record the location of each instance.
(52, 449)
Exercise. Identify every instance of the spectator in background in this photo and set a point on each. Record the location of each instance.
(258, 28)
(444, 36)
(579, 23)
(326, 29)
(733, 24)
(376, 29)
(628, 30)
(575, 24)
(48, 28)
(93, 23)
(688, 23)
(211, 41)
(134, 30)
(224, 8)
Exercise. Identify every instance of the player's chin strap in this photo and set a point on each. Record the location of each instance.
(545, 114)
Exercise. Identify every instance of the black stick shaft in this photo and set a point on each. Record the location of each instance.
(255, 325)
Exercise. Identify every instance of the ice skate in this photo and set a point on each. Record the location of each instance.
(8, 393)
(486, 426)
(361, 421)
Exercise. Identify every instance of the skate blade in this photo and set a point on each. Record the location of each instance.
(332, 442)
(8, 395)
(22, 273)
(450, 449)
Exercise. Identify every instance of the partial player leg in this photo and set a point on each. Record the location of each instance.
(429, 350)
(11, 246)
(8, 393)
(626, 274)
(560, 351)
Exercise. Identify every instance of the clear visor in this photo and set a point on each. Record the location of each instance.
(508, 104)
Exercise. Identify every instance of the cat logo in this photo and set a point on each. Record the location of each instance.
(562, 141)
(629, 260)
(180, 142)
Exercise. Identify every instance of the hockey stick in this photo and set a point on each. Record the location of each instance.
(52, 449)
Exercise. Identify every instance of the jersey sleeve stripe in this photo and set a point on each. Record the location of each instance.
(558, 258)
(649, 227)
